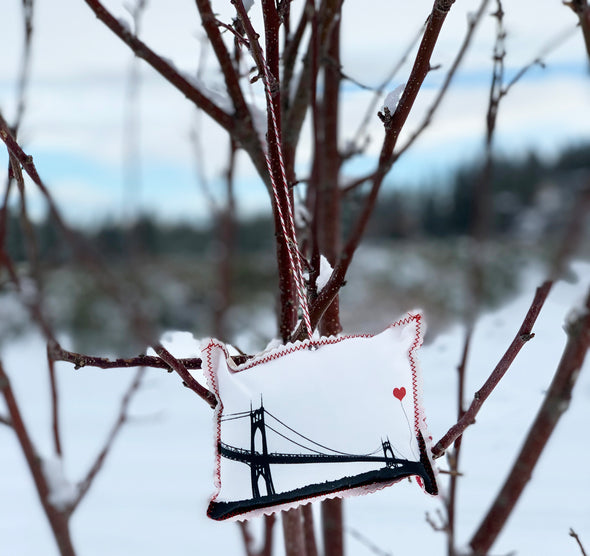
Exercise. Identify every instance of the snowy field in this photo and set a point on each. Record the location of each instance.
(151, 497)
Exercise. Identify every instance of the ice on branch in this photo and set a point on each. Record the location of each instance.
(248, 4)
(62, 493)
(392, 99)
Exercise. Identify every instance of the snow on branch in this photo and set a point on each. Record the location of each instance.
(62, 493)
(163, 67)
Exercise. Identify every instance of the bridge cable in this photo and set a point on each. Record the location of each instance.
(317, 443)
(295, 442)
(223, 419)
(243, 413)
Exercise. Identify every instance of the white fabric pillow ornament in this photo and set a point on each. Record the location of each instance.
(335, 417)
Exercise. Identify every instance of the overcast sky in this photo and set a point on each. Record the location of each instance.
(76, 103)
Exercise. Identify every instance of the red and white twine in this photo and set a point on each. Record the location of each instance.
(288, 227)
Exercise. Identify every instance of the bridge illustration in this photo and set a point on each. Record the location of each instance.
(259, 459)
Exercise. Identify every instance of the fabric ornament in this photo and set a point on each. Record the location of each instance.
(333, 417)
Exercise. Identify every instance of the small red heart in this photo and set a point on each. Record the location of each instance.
(399, 393)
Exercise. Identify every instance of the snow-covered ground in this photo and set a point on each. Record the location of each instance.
(151, 497)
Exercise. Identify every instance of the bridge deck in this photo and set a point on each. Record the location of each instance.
(246, 456)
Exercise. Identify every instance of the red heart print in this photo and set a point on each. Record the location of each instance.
(399, 393)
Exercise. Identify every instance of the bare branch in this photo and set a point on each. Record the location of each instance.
(472, 24)
(523, 335)
(551, 45)
(245, 135)
(311, 548)
(453, 456)
(122, 417)
(357, 182)
(290, 52)
(5, 421)
(231, 76)
(164, 68)
(555, 404)
(441, 525)
(367, 542)
(582, 9)
(573, 534)
(370, 112)
(57, 353)
(25, 66)
(55, 423)
(138, 318)
(392, 130)
(281, 200)
(246, 537)
(293, 529)
(324, 19)
(188, 380)
(58, 520)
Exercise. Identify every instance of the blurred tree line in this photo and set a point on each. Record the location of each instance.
(530, 199)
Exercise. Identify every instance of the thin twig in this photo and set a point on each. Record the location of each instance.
(25, 66)
(230, 75)
(311, 548)
(357, 182)
(556, 402)
(472, 24)
(582, 9)
(454, 455)
(367, 542)
(55, 422)
(58, 520)
(5, 421)
(573, 534)
(370, 112)
(122, 418)
(523, 335)
(164, 68)
(247, 537)
(188, 380)
(441, 526)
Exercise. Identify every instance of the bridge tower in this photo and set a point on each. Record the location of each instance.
(388, 453)
(259, 466)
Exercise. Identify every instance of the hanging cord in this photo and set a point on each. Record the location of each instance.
(288, 227)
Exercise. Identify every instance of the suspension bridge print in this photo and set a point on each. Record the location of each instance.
(307, 421)
(258, 461)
